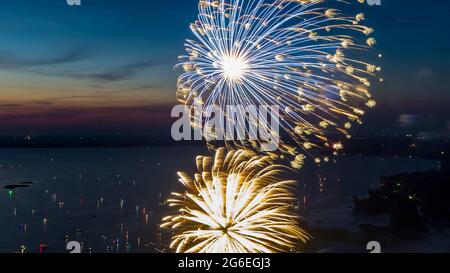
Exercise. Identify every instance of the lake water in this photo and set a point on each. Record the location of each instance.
(111, 200)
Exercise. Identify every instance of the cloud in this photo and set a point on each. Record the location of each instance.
(104, 94)
(46, 66)
(62, 118)
(425, 73)
(9, 105)
(11, 61)
(115, 74)
(407, 120)
(41, 102)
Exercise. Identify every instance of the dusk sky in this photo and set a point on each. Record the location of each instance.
(107, 65)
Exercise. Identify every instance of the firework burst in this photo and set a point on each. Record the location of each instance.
(301, 55)
(236, 203)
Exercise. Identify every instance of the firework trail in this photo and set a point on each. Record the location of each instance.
(301, 55)
(236, 203)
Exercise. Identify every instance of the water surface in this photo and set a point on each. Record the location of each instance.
(111, 199)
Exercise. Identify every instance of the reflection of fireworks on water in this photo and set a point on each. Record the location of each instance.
(237, 202)
(301, 55)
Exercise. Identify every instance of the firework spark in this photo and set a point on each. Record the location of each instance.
(237, 203)
(301, 55)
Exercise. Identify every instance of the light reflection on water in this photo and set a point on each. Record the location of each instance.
(113, 199)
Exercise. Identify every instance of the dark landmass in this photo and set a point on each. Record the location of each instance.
(13, 187)
(18, 185)
(91, 141)
(414, 201)
(402, 146)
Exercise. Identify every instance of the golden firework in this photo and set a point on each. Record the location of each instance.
(238, 202)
